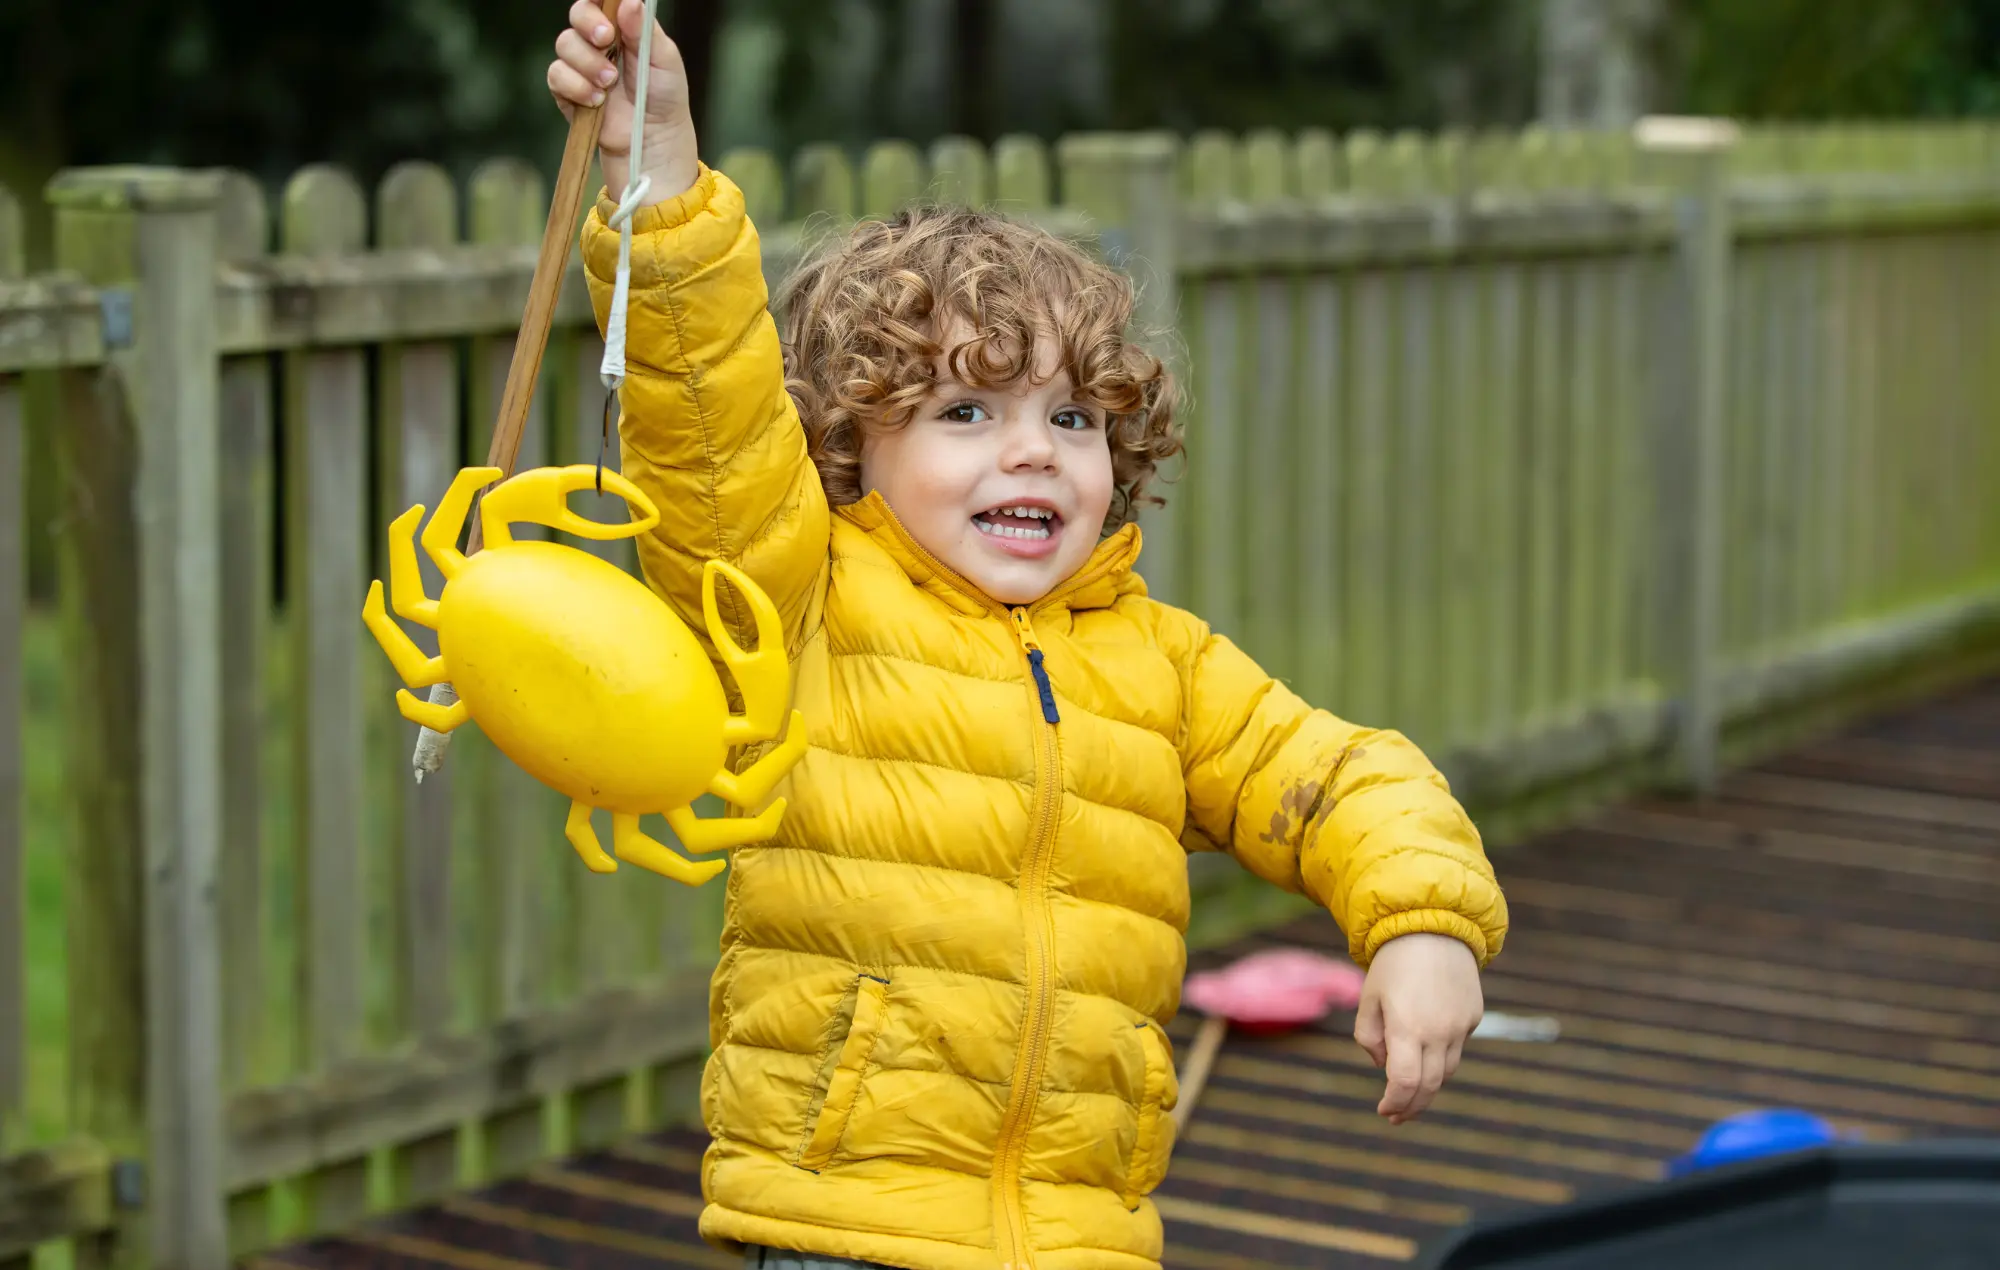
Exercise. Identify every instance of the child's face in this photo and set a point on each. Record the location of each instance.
(970, 460)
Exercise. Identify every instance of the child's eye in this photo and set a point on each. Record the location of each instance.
(1074, 420)
(965, 412)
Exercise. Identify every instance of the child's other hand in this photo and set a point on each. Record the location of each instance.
(1420, 1002)
(582, 75)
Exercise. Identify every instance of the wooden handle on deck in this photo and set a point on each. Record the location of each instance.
(1201, 1060)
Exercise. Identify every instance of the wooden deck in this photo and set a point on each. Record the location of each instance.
(1826, 936)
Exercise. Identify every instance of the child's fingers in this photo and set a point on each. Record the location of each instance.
(586, 18)
(1368, 1029)
(571, 89)
(590, 66)
(1406, 1077)
(1428, 1084)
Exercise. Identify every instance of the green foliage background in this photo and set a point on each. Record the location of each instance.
(369, 82)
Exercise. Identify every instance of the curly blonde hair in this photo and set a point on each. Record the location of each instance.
(862, 324)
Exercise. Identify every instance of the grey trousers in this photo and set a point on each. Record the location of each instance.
(771, 1259)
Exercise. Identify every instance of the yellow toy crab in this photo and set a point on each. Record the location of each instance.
(585, 678)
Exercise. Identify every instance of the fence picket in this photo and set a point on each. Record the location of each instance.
(1542, 459)
(326, 441)
(892, 178)
(1021, 180)
(1461, 464)
(13, 808)
(1413, 540)
(822, 184)
(961, 172)
(1506, 350)
(417, 453)
(1269, 413)
(1270, 174)
(1317, 160)
(1585, 477)
(1629, 499)
(1319, 418)
(13, 824)
(1365, 494)
(1212, 168)
(757, 174)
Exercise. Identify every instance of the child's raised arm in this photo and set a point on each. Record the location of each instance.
(708, 430)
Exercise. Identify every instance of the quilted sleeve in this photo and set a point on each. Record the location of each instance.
(1355, 818)
(708, 430)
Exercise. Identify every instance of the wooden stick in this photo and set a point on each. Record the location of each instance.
(1201, 1059)
(526, 367)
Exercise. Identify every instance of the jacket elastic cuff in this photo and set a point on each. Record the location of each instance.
(671, 214)
(1423, 921)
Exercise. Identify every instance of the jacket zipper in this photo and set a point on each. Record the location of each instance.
(1016, 1253)
(1011, 1237)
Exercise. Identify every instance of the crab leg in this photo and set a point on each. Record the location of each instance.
(406, 581)
(415, 669)
(637, 848)
(702, 836)
(584, 838)
(441, 535)
(431, 715)
(762, 676)
(754, 783)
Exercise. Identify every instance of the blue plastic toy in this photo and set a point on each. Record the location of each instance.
(1753, 1135)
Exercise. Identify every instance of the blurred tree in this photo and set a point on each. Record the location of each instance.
(268, 87)
(1805, 59)
(1598, 61)
(973, 98)
(1341, 63)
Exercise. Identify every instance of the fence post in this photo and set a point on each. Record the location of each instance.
(1692, 157)
(147, 236)
(1130, 187)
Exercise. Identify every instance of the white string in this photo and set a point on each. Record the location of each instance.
(612, 369)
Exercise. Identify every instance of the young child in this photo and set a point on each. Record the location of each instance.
(937, 1017)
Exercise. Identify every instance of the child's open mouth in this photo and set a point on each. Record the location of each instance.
(1020, 528)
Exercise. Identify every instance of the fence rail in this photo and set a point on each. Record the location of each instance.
(1572, 458)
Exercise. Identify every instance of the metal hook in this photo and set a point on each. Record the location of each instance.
(604, 439)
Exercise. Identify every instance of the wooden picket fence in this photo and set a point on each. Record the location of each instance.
(1588, 463)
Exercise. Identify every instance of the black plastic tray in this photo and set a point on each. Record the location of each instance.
(1929, 1206)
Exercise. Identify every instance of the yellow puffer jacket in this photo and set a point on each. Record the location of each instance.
(937, 1017)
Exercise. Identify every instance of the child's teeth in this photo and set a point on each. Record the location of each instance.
(1012, 531)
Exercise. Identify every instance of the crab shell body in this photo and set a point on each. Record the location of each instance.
(583, 678)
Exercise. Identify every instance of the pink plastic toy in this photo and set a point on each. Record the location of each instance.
(1278, 990)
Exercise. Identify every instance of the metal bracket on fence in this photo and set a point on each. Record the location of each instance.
(128, 1184)
(115, 308)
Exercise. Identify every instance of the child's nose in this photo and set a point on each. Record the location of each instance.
(1026, 443)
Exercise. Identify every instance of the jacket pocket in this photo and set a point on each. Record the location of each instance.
(1155, 1141)
(855, 1027)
